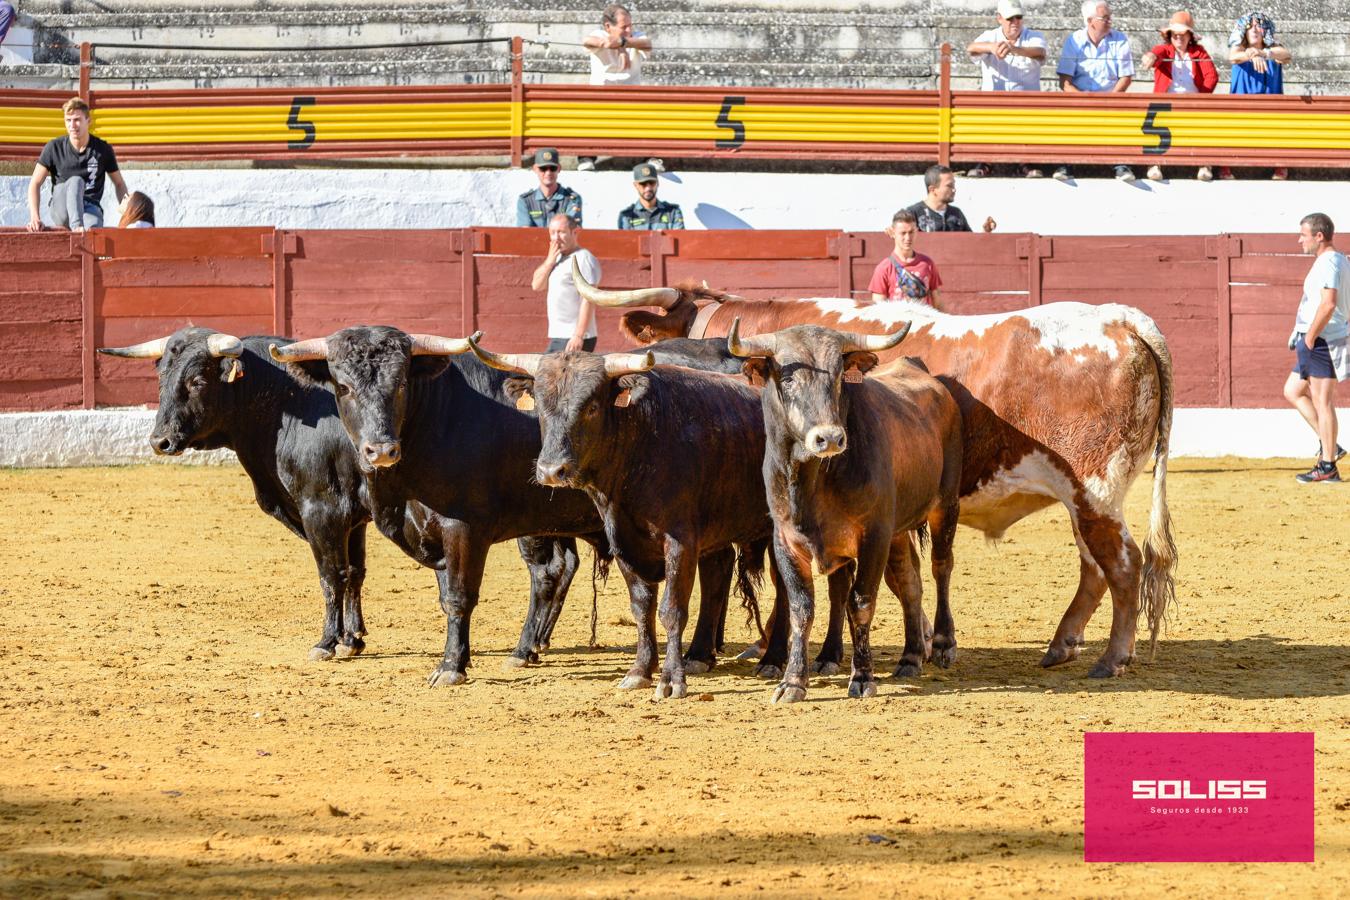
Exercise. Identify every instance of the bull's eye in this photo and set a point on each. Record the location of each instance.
(342, 389)
(195, 384)
(593, 408)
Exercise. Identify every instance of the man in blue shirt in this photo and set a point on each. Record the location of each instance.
(648, 213)
(1096, 59)
(535, 208)
(1321, 331)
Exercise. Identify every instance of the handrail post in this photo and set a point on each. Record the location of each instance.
(86, 66)
(517, 100)
(945, 106)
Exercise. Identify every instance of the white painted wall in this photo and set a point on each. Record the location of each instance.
(106, 437)
(456, 198)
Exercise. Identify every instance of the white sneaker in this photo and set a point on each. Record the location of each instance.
(1061, 173)
(585, 164)
(1154, 173)
(1125, 174)
(1205, 173)
(657, 164)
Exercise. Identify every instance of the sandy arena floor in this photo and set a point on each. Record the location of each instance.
(164, 734)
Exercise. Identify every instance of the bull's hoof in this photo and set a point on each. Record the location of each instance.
(515, 662)
(320, 654)
(669, 690)
(908, 669)
(347, 651)
(768, 670)
(446, 678)
(634, 682)
(788, 693)
(944, 656)
(698, 666)
(751, 652)
(825, 667)
(1106, 669)
(859, 689)
(1059, 655)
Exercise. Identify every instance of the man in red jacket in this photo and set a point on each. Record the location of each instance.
(1180, 66)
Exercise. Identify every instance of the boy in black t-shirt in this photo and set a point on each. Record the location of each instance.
(77, 165)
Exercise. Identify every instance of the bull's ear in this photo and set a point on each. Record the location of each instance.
(756, 370)
(429, 366)
(859, 361)
(629, 389)
(231, 370)
(312, 371)
(521, 391)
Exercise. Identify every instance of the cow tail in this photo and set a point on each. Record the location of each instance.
(750, 577)
(1157, 586)
(600, 562)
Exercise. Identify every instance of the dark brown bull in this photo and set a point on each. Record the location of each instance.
(858, 461)
(1064, 402)
(670, 456)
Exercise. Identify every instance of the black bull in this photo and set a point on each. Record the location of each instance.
(220, 391)
(440, 431)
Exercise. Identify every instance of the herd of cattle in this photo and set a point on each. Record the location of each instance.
(833, 433)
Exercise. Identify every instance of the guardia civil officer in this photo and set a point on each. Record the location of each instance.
(535, 208)
(649, 213)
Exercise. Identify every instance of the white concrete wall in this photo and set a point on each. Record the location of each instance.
(106, 437)
(404, 198)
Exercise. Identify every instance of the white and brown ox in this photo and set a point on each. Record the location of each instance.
(1064, 402)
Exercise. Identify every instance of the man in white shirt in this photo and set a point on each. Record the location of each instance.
(571, 320)
(1010, 58)
(617, 54)
(1321, 333)
(1096, 59)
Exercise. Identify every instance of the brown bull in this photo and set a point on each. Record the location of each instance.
(1062, 403)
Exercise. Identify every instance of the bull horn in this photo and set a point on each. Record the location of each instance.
(434, 345)
(763, 345)
(300, 351)
(875, 343)
(663, 297)
(619, 364)
(518, 363)
(226, 345)
(148, 350)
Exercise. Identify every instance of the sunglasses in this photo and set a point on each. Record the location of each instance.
(548, 168)
(1013, 18)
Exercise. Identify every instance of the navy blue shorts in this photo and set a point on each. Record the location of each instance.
(1314, 363)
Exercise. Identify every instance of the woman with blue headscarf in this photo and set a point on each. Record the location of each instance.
(1258, 60)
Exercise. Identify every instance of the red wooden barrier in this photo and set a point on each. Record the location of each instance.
(1225, 303)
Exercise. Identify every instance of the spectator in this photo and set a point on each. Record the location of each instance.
(1258, 60)
(77, 164)
(935, 212)
(536, 208)
(138, 211)
(571, 320)
(617, 54)
(7, 17)
(1182, 66)
(1096, 59)
(648, 213)
(1010, 58)
(905, 274)
(1321, 329)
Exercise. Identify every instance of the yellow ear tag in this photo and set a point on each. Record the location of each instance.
(525, 402)
(236, 371)
(853, 376)
(623, 399)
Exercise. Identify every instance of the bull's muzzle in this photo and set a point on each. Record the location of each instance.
(826, 440)
(553, 474)
(382, 454)
(164, 445)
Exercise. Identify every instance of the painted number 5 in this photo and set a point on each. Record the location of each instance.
(1164, 135)
(724, 120)
(293, 121)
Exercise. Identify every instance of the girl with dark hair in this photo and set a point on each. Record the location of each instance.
(138, 211)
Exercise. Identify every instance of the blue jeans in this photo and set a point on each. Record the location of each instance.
(70, 209)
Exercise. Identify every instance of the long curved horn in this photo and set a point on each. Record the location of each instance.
(763, 345)
(619, 364)
(434, 345)
(300, 351)
(662, 297)
(148, 350)
(519, 363)
(875, 343)
(226, 345)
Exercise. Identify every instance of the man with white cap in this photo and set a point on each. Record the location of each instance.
(1010, 58)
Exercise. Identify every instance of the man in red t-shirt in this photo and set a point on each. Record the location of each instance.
(905, 274)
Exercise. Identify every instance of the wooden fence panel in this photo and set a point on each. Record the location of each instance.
(41, 322)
